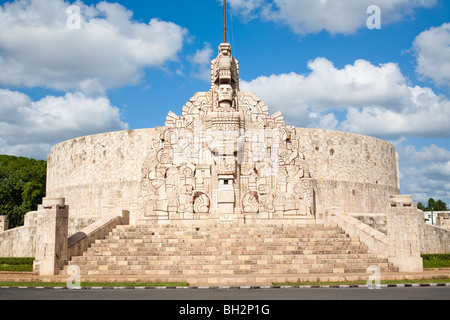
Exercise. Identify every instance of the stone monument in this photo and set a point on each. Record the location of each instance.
(226, 157)
(227, 165)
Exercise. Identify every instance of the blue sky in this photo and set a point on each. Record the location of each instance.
(128, 63)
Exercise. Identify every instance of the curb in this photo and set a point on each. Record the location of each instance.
(241, 287)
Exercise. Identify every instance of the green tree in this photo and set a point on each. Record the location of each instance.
(440, 206)
(421, 206)
(434, 205)
(22, 187)
(431, 204)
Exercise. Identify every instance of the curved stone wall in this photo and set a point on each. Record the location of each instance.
(355, 172)
(98, 173)
(341, 156)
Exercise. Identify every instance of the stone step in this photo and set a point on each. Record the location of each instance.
(201, 226)
(226, 233)
(223, 261)
(240, 242)
(234, 270)
(241, 228)
(240, 269)
(300, 257)
(219, 269)
(170, 251)
(228, 260)
(226, 250)
(293, 229)
(214, 251)
(274, 250)
(150, 238)
(222, 245)
(180, 243)
(222, 237)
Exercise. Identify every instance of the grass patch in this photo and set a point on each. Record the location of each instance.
(16, 264)
(436, 260)
(132, 284)
(335, 283)
(94, 284)
(16, 268)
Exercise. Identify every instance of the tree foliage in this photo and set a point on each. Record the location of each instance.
(22, 187)
(433, 205)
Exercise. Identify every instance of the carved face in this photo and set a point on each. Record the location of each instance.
(225, 49)
(225, 93)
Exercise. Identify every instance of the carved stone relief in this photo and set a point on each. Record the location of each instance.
(226, 145)
(201, 202)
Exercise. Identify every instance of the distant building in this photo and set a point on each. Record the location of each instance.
(443, 219)
(437, 218)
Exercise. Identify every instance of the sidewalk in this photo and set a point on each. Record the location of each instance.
(232, 280)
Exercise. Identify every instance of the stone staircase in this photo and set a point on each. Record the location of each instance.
(226, 250)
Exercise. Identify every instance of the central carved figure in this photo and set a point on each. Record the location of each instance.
(225, 95)
(226, 158)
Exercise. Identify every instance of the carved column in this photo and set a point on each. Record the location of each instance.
(51, 236)
(403, 220)
(4, 223)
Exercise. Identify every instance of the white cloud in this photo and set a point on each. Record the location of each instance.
(29, 128)
(372, 100)
(377, 100)
(327, 87)
(425, 172)
(424, 114)
(245, 7)
(38, 49)
(201, 61)
(432, 48)
(334, 16)
(324, 120)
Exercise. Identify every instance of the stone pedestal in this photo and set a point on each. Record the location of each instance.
(403, 220)
(51, 236)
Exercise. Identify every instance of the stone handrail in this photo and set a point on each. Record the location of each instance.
(376, 241)
(80, 241)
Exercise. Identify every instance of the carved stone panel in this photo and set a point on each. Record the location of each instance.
(201, 202)
(250, 202)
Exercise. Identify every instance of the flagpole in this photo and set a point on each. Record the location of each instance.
(225, 21)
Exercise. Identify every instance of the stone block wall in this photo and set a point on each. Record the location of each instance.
(434, 239)
(17, 242)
